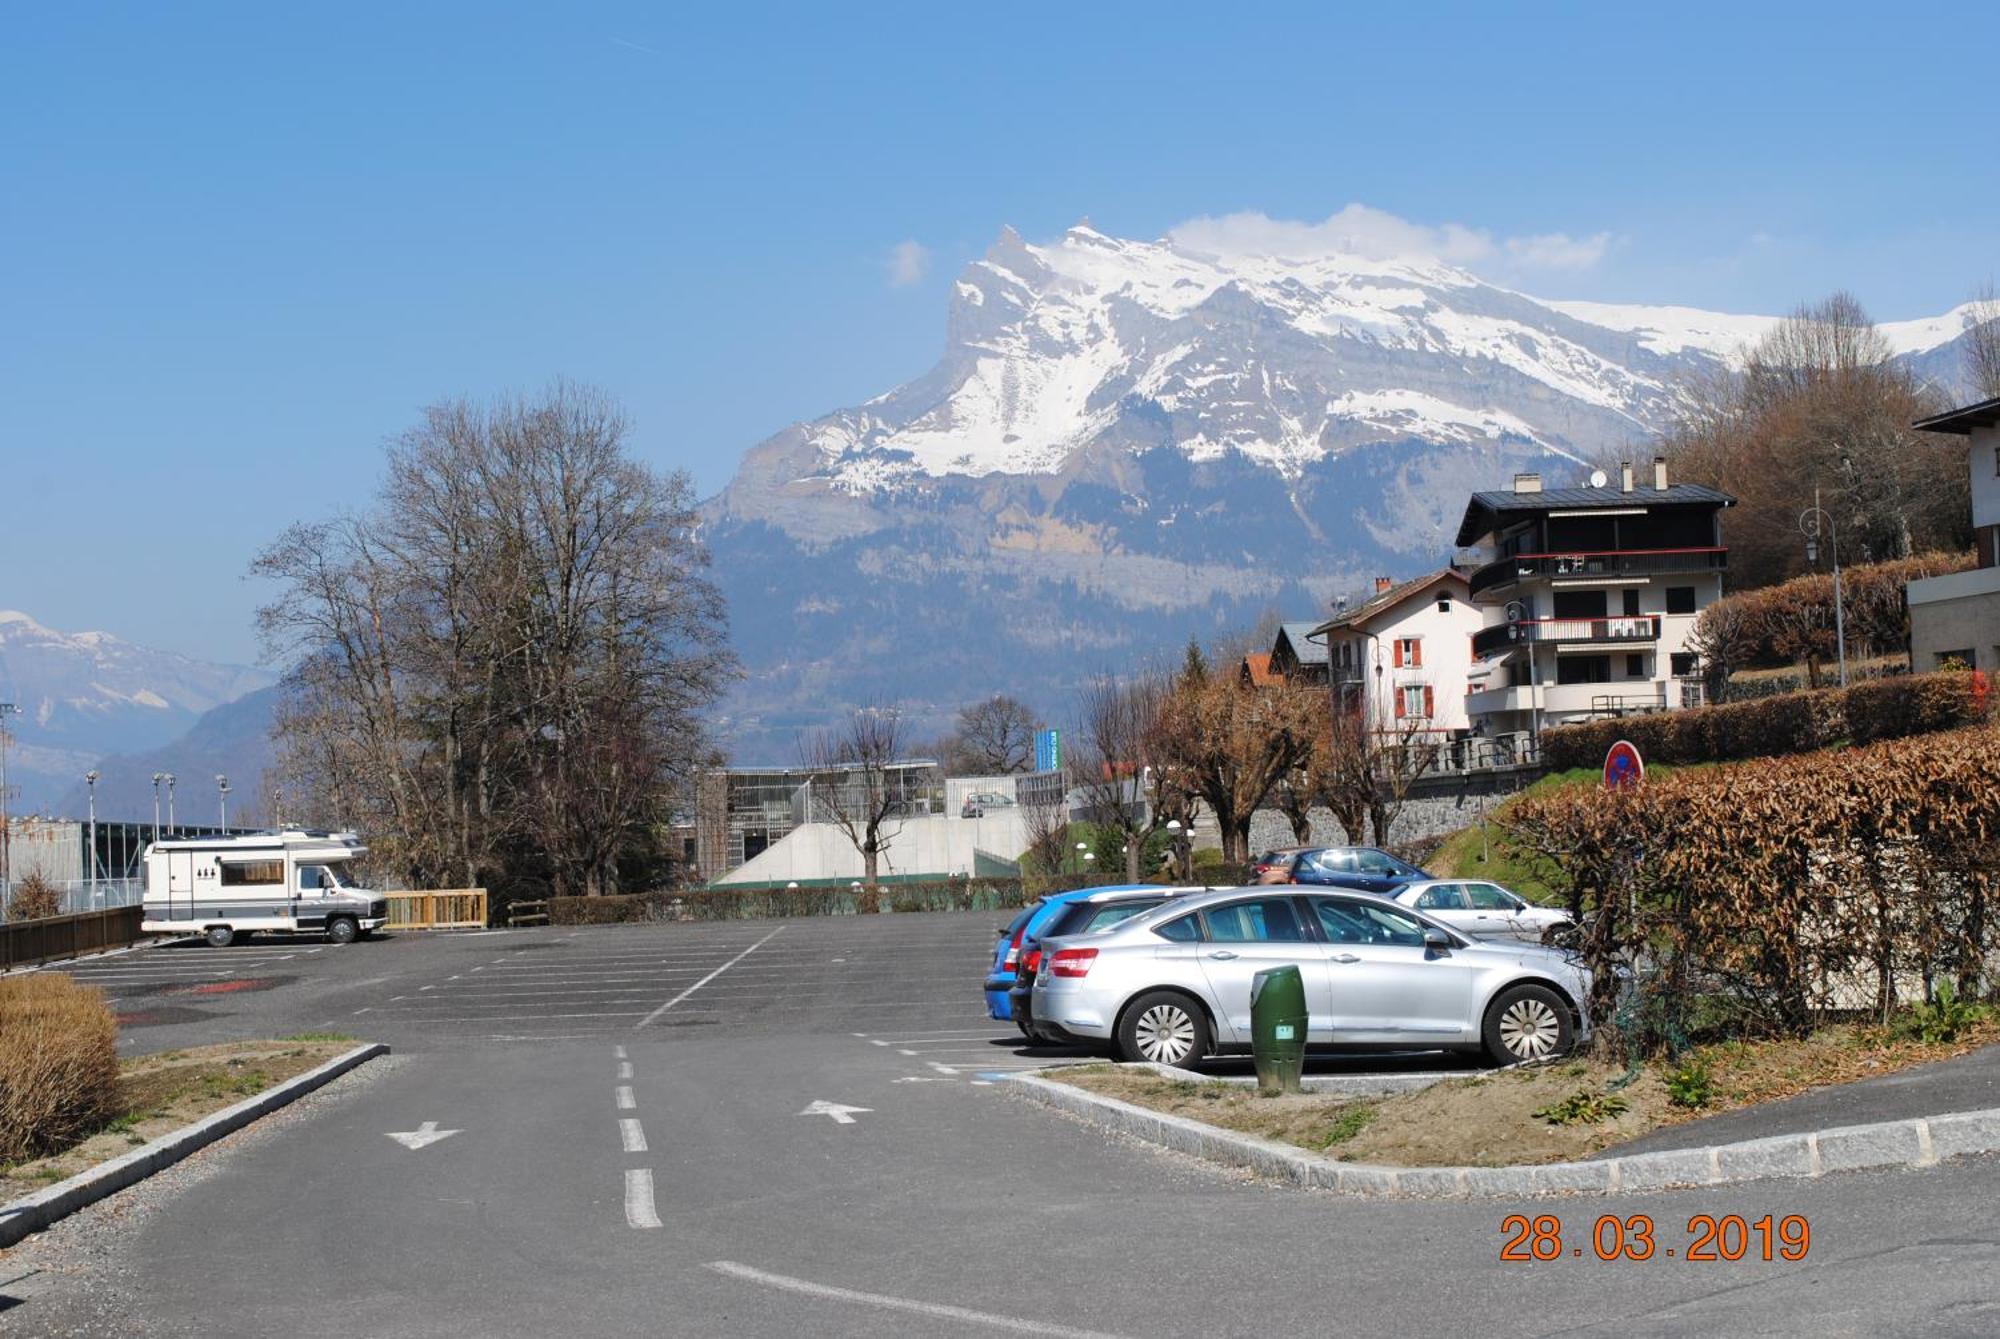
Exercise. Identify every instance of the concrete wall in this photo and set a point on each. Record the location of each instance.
(1959, 612)
(1983, 458)
(936, 846)
(1420, 818)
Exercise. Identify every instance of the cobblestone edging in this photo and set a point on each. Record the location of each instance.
(32, 1213)
(1905, 1143)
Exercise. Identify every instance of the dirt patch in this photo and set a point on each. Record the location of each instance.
(1548, 1113)
(160, 1093)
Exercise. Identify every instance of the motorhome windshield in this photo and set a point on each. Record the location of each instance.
(321, 876)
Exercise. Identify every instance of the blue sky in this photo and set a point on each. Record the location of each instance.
(240, 245)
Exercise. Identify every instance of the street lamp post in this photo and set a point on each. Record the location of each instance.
(1076, 866)
(90, 788)
(1810, 521)
(158, 777)
(6, 824)
(222, 800)
(170, 804)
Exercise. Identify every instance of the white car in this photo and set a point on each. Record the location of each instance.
(1483, 910)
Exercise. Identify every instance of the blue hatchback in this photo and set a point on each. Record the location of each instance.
(1007, 949)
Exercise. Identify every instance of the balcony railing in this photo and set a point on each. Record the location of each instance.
(1522, 632)
(1624, 562)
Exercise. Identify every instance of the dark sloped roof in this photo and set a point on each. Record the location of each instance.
(1963, 419)
(1304, 649)
(1486, 508)
(1388, 599)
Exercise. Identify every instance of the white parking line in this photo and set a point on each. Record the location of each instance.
(710, 977)
(631, 1136)
(618, 1052)
(624, 1069)
(625, 1102)
(883, 1302)
(639, 1198)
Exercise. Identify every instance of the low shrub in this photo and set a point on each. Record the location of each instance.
(1692, 1086)
(58, 1064)
(1583, 1107)
(35, 898)
(1941, 1018)
(1886, 708)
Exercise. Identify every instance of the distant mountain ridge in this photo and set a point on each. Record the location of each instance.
(1127, 443)
(85, 695)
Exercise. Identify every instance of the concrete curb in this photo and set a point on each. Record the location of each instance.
(34, 1212)
(1904, 1143)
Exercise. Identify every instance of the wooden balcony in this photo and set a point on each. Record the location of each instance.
(1530, 631)
(1509, 572)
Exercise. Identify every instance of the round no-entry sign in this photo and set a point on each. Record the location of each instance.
(1622, 766)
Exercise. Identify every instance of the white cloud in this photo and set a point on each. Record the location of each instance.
(1379, 235)
(909, 262)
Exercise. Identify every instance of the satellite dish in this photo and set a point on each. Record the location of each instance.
(1598, 478)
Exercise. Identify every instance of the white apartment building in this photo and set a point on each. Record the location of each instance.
(1589, 596)
(1402, 657)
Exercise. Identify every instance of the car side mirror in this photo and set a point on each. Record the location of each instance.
(1436, 940)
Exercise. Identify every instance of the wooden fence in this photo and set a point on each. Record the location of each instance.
(447, 909)
(39, 941)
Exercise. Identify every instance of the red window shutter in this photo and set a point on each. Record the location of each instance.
(1399, 653)
(1416, 651)
(1429, 703)
(1397, 698)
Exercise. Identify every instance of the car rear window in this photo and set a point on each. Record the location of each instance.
(1102, 916)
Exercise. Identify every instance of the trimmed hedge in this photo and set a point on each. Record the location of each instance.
(58, 1064)
(1791, 723)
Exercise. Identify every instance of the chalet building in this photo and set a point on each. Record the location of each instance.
(1402, 656)
(1296, 657)
(1956, 618)
(1589, 597)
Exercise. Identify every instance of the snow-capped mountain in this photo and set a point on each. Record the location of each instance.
(83, 695)
(1126, 443)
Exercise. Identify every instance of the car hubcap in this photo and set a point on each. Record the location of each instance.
(1166, 1034)
(1529, 1029)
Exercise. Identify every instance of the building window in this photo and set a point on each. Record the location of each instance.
(1685, 664)
(1409, 652)
(1953, 660)
(1631, 604)
(1444, 604)
(1416, 701)
(1680, 599)
(1635, 667)
(1583, 669)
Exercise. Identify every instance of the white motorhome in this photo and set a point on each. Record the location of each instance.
(291, 882)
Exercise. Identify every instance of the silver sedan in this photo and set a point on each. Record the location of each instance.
(1173, 984)
(1481, 909)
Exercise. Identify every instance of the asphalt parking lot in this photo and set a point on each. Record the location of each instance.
(785, 1128)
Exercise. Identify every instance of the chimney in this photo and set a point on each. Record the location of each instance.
(1660, 473)
(1382, 584)
(1624, 476)
(1527, 483)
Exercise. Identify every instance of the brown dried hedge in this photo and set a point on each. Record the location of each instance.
(34, 899)
(1792, 723)
(1841, 880)
(58, 1064)
(1793, 620)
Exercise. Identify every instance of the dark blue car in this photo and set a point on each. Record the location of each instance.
(1007, 949)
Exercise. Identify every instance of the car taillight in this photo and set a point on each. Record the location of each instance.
(1014, 949)
(1072, 961)
(1034, 961)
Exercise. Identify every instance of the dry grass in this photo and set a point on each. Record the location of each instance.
(1496, 1119)
(157, 1094)
(58, 1063)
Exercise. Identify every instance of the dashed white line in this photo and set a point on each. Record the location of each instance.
(624, 1069)
(618, 1051)
(625, 1102)
(884, 1302)
(710, 977)
(631, 1136)
(639, 1210)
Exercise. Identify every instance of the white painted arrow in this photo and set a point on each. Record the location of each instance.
(427, 1133)
(841, 1115)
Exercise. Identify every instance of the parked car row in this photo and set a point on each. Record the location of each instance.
(1164, 974)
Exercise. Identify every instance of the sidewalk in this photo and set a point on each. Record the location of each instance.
(1968, 1083)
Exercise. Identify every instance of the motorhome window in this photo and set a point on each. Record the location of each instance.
(319, 876)
(236, 875)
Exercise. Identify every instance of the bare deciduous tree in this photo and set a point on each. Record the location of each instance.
(500, 668)
(854, 783)
(1117, 765)
(991, 738)
(1231, 745)
(1982, 341)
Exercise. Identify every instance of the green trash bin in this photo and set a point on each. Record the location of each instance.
(1278, 1028)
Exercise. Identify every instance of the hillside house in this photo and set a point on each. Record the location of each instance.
(1589, 596)
(1956, 618)
(1402, 656)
